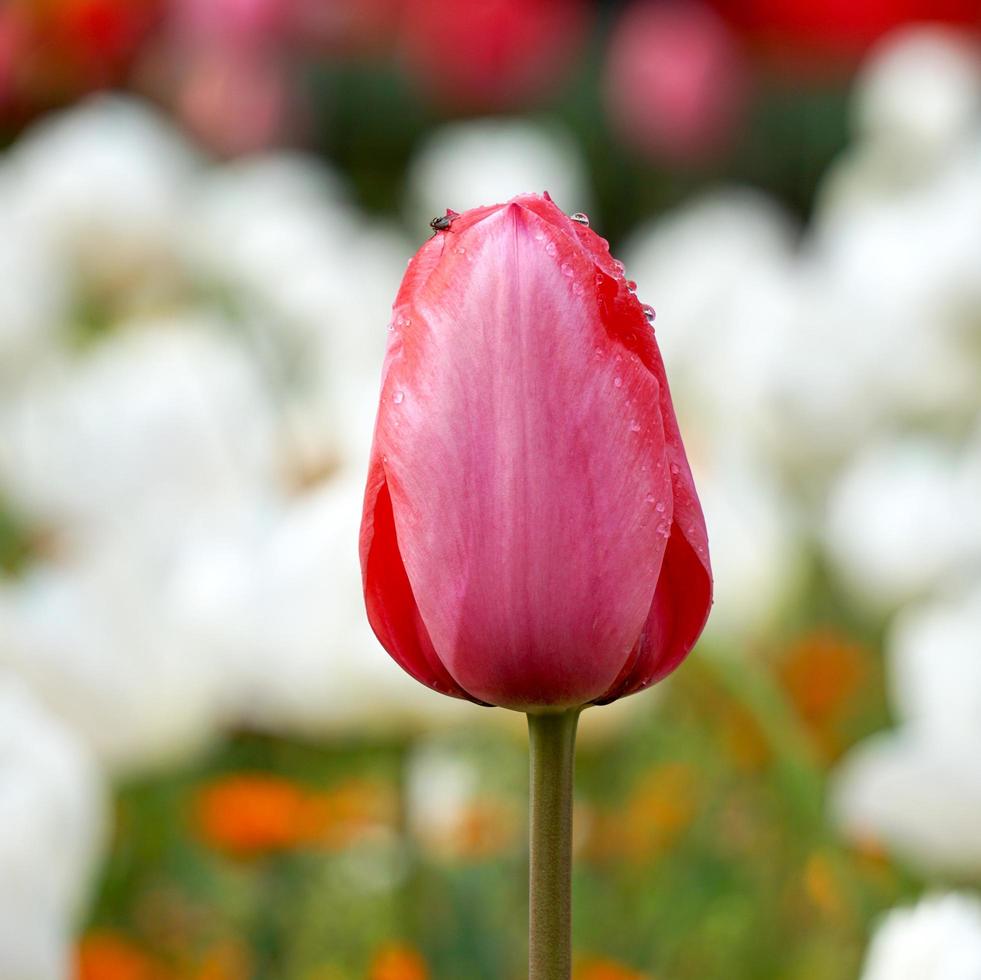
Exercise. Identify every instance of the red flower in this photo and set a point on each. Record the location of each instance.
(491, 54)
(804, 36)
(531, 536)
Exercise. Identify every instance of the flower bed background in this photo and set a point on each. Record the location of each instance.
(208, 767)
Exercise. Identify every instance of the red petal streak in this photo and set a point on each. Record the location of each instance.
(391, 606)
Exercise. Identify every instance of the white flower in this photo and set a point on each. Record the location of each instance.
(104, 185)
(755, 543)
(283, 613)
(919, 92)
(52, 812)
(467, 164)
(918, 789)
(938, 939)
(721, 273)
(160, 422)
(96, 640)
(313, 282)
(899, 520)
(33, 298)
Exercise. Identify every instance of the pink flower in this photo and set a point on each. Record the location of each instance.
(531, 535)
(676, 83)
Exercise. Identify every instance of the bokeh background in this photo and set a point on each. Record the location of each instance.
(208, 767)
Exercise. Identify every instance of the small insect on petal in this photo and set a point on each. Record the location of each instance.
(444, 221)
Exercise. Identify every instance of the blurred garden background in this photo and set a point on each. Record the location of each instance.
(209, 769)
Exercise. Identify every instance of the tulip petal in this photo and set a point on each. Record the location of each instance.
(390, 603)
(530, 490)
(684, 592)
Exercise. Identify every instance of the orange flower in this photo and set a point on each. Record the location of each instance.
(601, 969)
(820, 673)
(661, 807)
(107, 956)
(821, 885)
(225, 961)
(250, 814)
(395, 962)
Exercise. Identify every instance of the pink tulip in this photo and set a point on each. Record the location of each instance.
(676, 81)
(531, 535)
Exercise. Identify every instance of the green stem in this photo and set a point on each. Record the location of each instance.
(552, 742)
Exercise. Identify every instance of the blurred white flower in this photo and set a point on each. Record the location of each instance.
(282, 612)
(755, 542)
(919, 92)
(464, 165)
(52, 812)
(161, 422)
(97, 642)
(918, 789)
(32, 300)
(901, 519)
(722, 274)
(103, 184)
(938, 939)
(313, 281)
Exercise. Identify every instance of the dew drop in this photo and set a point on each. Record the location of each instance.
(675, 468)
(539, 236)
(599, 279)
(634, 425)
(649, 312)
(664, 529)
(618, 382)
(398, 397)
(550, 248)
(599, 351)
(580, 218)
(649, 499)
(460, 250)
(568, 271)
(619, 266)
(631, 285)
(660, 507)
(578, 288)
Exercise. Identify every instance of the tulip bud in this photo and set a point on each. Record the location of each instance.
(531, 534)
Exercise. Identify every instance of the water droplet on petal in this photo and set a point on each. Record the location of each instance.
(398, 397)
(619, 266)
(567, 270)
(634, 425)
(649, 499)
(580, 218)
(460, 250)
(649, 312)
(631, 285)
(660, 507)
(599, 279)
(618, 381)
(578, 288)
(599, 351)
(539, 236)
(675, 468)
(550, 248)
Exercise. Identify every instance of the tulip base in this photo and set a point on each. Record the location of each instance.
(552, 741)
